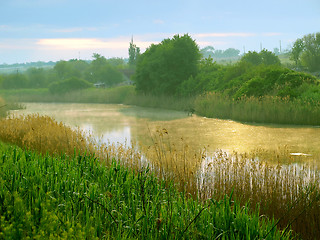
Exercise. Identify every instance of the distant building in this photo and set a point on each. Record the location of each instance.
(99, 85)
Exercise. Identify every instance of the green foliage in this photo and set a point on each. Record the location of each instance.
(48, 197)
(134, 53)
(162, 68)
(264, 57)
(306, 51)
(37, 78)
(210, 52)
(100, 71)
(72, 68)
(69, 85)
(265, 109)
(14, 80)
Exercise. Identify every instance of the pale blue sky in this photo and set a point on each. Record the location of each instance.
(32, 30)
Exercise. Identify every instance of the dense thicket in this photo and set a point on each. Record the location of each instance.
(256, 74)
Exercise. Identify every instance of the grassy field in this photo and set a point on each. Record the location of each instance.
(81, 196)
(289, 193)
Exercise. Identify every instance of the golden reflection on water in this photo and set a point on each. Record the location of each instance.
(123, 124)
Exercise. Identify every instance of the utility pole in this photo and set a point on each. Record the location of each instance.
(244, 50)
(280, 46)
(260, 46)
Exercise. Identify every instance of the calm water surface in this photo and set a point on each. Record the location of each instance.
(123, 124)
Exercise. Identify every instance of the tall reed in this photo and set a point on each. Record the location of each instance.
(76, 197)
(286, 192)
(265, 109)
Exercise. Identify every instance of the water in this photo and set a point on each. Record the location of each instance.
(124, 124)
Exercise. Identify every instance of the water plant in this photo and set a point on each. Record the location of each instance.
(289, 192)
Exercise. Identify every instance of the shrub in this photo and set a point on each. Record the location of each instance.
(69, 85)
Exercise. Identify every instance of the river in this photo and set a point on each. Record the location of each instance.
(123, 124)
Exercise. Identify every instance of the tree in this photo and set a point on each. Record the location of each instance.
(231, 52)
(269, 58)
(296, 51)
(306, 52)
(207, 52)
(101, 71)
(310, 56)
(134, 53)
(37, 77)
(71, 84)
(264, 57)
(252, 57)
(162, 68)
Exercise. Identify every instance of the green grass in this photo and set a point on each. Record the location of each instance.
(44, 197)
(259, 110)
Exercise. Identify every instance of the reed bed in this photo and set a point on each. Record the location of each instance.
(76, 197)
(267, 109)
(280, 189)
(289, 193)
(43, 134)
(3, 108)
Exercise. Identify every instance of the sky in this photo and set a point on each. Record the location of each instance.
(53, 30)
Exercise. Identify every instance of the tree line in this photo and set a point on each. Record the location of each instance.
(68, 75)
(176, 67)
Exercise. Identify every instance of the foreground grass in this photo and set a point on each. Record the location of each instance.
(48, 197)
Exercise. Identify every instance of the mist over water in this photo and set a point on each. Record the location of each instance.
(124, 124)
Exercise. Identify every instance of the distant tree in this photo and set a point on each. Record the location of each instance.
(102, 71)
(37, 77)
(264, 57)
(231, 52)
(252, 57)
(269, 58)
(134, 53)
(207, 52)
(296, 51)
(15, 81)
(162, 68)
(116, 62)
(71, 68)
(310, 56)
(68, 85)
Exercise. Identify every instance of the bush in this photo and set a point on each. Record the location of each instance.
(69, 85)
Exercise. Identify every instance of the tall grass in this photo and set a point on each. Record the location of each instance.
(76, 197)
(260, 110)
(3, 109)
(289, 192)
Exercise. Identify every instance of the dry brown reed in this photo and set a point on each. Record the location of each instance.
(2, 108)
(288, 192)
(45, 135)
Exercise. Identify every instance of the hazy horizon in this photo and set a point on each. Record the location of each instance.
(52, 30)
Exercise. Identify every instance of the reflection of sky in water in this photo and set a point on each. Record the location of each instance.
(117, 136)
(123, 124)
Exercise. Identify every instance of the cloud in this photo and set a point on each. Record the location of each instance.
(158, 21)
(230, 34)
(88, 43)
(271, 34)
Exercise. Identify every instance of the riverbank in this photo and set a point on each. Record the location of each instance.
(287, 192)
(78, 196)
(253, 110)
